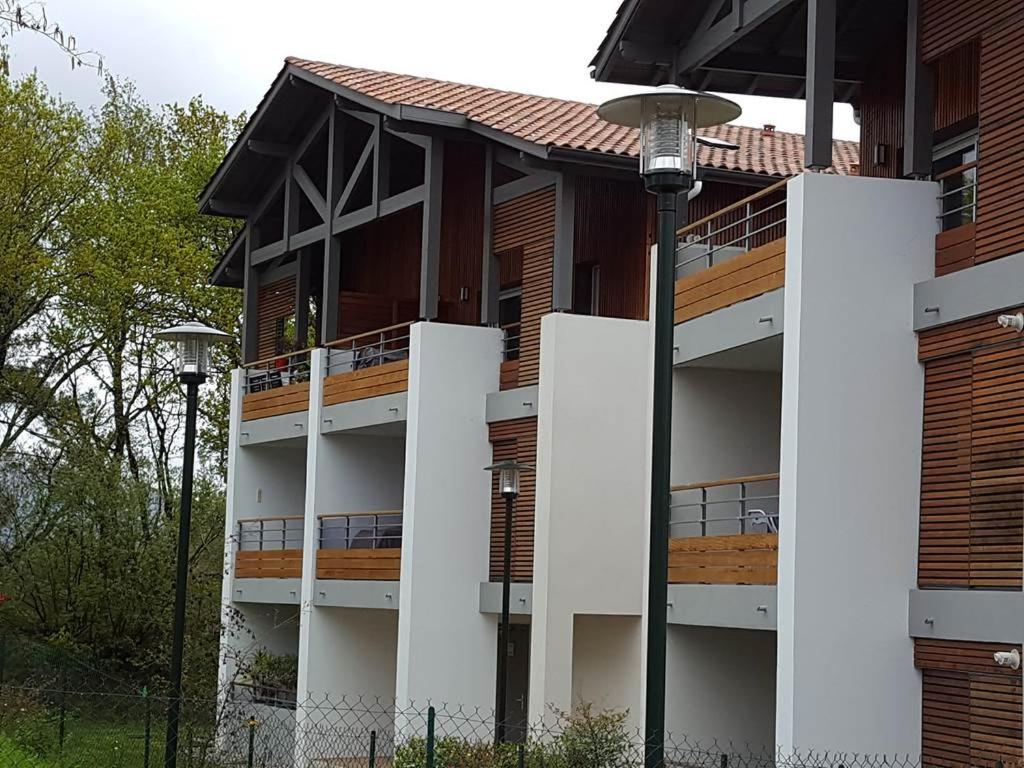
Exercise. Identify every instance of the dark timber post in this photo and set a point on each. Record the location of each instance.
(250, 299)
(491, 273)
(430, 255)
(562, 262)
(329, 309)
(821, 67)
(918, 119)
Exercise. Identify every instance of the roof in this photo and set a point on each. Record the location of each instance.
(570, 125)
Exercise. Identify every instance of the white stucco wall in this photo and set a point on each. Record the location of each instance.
(606, 655)
(270, 479)
(446, 647)
(850, 463)
(593, 438)
(721, 688)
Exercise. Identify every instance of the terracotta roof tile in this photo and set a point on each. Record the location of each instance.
(572, 124)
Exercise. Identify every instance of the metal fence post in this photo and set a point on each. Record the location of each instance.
(148, 743)
(522, 755)
(430, 737)
(251, 754)
(62, 721)
(724, 761)
(3, 659)
(373, 749)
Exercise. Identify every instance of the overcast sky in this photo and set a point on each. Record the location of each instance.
(230, 50)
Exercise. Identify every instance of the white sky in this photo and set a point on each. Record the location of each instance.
(230, 50)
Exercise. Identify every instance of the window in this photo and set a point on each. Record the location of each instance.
(586, 289)
(955, 167)
(510, 310)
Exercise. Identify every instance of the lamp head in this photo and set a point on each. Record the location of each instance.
(668, 117)
(508, 476)
(194, 340)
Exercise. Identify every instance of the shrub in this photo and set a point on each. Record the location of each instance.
(25, 721)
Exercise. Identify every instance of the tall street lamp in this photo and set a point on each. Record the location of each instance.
(193, 365)
(668, 118)
(508, 486)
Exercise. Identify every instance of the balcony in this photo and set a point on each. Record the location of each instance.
(368, 365)
(360, 546)
(735, 254)
(276, 385)
(269, 548)
(725, 531)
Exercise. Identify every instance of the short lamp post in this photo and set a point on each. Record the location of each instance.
(668, 118)
(193, 365)
(508, 486)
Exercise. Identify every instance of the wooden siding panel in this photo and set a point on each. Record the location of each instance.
(462, 232)
(293, 398)
(528, 223)
(882, 110)
(737, 559)
(514, 439)
(956, 86)
(1000, 217)
(743, 277)
(954, 249)
(276, 301)
(948, 24)
(943, 556)
(385, 379)
(359, 564)
(269, 564)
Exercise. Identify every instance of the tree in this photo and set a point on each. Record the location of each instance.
(31, 17)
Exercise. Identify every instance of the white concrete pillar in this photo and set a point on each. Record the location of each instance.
(593, 440)
(446, 647)
(850, 463)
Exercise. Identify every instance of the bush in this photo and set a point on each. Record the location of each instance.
(26, 723)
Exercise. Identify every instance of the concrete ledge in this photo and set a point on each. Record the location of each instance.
(356, 594)
(358, 414)
(723, 605)
(517, 403)
(520, 602)
(730, 327)
(278, 591)
(950, 614)
(970, 292)
(272, 429)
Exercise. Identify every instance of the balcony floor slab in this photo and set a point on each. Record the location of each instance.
(723, 605)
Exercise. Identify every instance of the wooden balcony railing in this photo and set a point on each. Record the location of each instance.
(269, 548)
(361, 546)
(276, 385)
(725, 531)
(368, 365)
(734, 254)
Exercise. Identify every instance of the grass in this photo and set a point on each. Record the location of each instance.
(89, 744)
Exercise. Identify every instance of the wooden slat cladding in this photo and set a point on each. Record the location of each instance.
(514, 439)
(462, 227)
(740, 559)
(761, 270)
(293, 398)
(275, 301)
(972, 481)
(882, 109)
(528, 223)
(971, 709)
(945, 534)
(956, 86)
(269, 564)
(954, 249)
(948, 24)
(1000, 162)
(610, 230)
(359, 564)
(385, 379)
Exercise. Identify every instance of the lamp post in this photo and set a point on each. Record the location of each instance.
(193, 341)
(508, 485)
(668, 118)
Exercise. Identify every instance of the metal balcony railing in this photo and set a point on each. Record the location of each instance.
(361, 530)
(267, 534)
(958, 198)
(743, 226)
(278, 371)
(365, 350)
(510, 341)
(736, 505)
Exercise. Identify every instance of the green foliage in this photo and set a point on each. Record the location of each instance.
(584, 738)
(101, 245)
(269, 670)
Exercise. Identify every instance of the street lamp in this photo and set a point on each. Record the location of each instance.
(193, 365)
(668, 118)
(508, 486)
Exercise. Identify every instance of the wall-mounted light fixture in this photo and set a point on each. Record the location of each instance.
(880, 154)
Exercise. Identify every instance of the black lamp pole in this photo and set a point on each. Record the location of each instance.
(501, 686)
(667, 185)
(191, 382)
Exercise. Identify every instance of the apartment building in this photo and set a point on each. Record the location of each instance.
(849, 380)
(437, 277)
